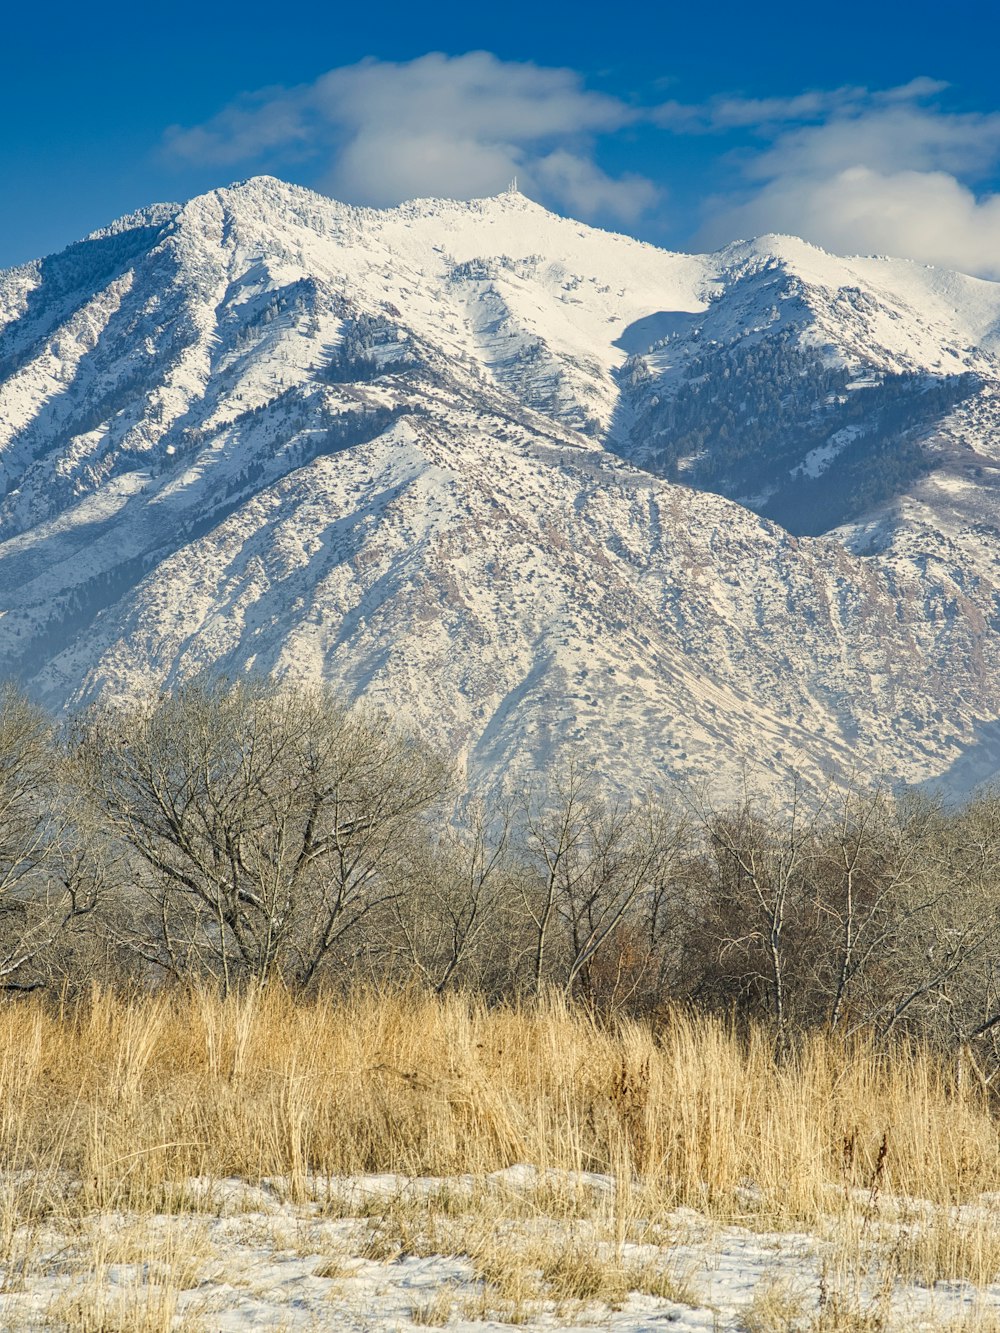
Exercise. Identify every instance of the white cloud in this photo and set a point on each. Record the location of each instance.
(765, 114)
(853, 169)
(924, 215)
(584, 188)
(875, 172)
(257, 123)
(885, 137)
(458, 126)
(730, 112)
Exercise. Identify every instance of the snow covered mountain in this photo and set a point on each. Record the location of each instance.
(541, 490)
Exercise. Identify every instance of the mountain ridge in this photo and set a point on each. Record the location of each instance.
(396, 449)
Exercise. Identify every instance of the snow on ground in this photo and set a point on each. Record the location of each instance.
(357, 1256)
(818, 460)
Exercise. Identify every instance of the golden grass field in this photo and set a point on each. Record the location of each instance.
(130, 1095)
(112, 1107)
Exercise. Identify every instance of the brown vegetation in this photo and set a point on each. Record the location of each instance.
(138, 1108)
(134, 1097)
(246, 933)
(247, 835)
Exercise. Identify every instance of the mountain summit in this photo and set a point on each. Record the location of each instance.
(540, 490)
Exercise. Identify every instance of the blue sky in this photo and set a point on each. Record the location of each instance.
(866, 127)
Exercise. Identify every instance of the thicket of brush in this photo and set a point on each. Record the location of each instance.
(240, 836)
(246, 934)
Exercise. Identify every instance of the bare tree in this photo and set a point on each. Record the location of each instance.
(554, 831)
(594, 874)
(759, 860)
(50, 880)
(454, 925)
(946, 934)
(265, 823)
(856, 910)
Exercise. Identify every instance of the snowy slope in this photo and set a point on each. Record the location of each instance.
(268, 431)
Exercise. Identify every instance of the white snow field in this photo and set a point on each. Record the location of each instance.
(372, 1253)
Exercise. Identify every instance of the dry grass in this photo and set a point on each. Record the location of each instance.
(525, 1259)
(436, 1310)
(943, 1247)
(90, 1308)
(131, 1099)
(161, 1263)
(781, 1306)
(777, 1307)
(976, 1321)
(114, 1105)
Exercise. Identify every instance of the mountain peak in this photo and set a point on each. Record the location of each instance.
(393, 449)
(278, 203)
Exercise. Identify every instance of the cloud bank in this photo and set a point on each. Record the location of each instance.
(861, 172)
(452, 126)
(853, 169)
